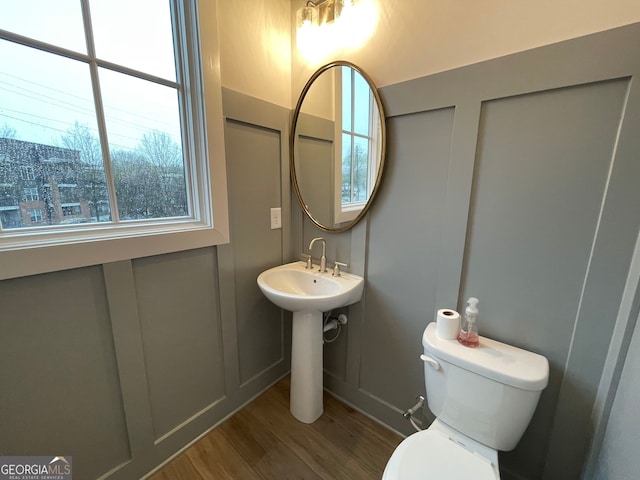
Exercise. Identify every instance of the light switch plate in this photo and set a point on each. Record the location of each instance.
(276, 218)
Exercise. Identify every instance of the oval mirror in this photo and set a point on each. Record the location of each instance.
(337, 146)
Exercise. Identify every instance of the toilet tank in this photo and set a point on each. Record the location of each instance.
(489, 393)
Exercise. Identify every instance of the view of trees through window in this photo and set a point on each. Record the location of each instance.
(356, 137)
(90, 127)
(66, 182)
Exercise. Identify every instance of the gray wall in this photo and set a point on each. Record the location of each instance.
(513, 180)
(618, 458)
(315, 166)
(123, 364)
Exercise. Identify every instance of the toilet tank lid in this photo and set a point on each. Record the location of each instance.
(495, 360)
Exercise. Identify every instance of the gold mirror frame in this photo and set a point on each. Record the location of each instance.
(292, 147)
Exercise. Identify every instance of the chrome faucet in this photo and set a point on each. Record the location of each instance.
(323, 258)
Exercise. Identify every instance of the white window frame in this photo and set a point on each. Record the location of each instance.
(32, 251)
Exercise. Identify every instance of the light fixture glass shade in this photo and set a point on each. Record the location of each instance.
(307, 17)
(338, 6)
(307, 27)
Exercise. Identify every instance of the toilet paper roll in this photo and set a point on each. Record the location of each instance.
(447, 324)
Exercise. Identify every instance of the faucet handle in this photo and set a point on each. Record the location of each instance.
(307, 258)
(336, 268)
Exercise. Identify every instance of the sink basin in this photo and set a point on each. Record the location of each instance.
(308, 293)
(295, 288)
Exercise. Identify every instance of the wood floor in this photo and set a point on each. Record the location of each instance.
(263, 441)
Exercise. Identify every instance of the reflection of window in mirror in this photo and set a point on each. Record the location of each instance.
(357, 143)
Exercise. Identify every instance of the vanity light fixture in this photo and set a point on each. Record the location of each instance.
(326, 27)
(316, 14)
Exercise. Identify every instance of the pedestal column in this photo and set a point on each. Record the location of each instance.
(306, 366)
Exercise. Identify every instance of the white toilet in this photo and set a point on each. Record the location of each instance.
(483, 399)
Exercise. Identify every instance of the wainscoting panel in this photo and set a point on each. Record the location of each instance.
(538, 191)
(315, 175)
(255, 181)
(180, 327)
(256, 141)
(402, 262)
(60, 390)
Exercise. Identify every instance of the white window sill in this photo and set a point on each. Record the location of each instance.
(19, 258)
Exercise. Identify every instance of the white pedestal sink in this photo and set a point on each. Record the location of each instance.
(308, 293)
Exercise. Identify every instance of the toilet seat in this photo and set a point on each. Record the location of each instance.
(431, 454)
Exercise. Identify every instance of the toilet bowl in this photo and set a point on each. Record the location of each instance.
(483, 399)
(443, 454)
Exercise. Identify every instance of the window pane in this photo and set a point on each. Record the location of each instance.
(346, 168)
(360, 169)
(48, 141)
(362, 105)
(346, 98)
(57, 22)
(143, 126)
(136, 34)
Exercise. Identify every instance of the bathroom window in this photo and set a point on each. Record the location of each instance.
(356, 143)
(103, 107)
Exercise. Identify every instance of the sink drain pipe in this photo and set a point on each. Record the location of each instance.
(333, 324)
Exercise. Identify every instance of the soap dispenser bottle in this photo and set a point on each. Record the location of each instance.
(468, 335)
